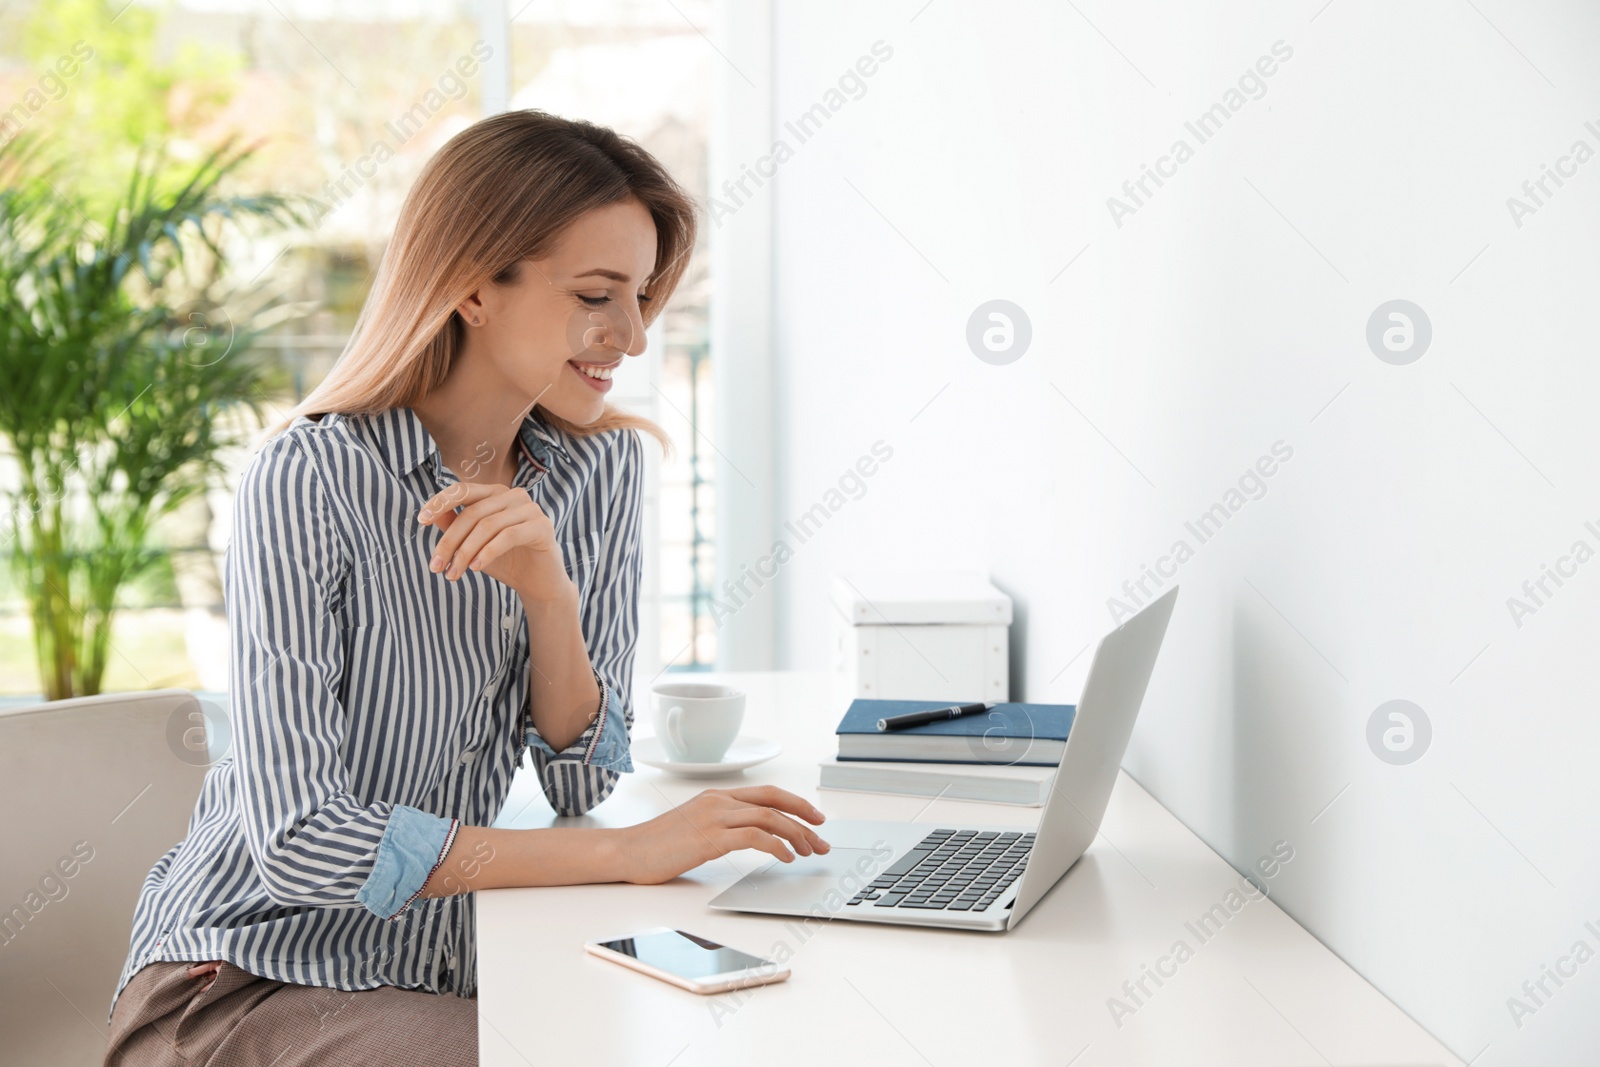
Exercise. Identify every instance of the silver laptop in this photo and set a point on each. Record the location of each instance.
(977, 877)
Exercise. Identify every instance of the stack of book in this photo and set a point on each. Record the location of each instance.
(1008, 754)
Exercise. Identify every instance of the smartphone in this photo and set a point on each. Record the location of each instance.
(689, 962)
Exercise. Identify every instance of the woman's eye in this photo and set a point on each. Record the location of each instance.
(597, 301)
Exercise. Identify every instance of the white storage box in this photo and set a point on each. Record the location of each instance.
(921, 636)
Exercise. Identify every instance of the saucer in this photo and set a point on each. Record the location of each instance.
(744, 752)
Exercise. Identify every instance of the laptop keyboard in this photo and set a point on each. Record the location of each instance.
(951, 870)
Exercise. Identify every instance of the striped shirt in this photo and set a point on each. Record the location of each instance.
(376, 707)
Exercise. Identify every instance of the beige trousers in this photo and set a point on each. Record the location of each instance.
(165, 1018)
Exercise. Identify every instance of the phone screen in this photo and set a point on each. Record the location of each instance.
(684, 954)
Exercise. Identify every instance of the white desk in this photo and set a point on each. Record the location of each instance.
(1261, 990)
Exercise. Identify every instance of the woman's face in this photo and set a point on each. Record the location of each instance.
(556, 334)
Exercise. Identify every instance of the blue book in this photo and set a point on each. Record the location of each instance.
(1009, 734)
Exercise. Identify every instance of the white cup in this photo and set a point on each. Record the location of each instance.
(696, 721)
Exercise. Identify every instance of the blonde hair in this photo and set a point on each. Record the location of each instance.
(498, 192)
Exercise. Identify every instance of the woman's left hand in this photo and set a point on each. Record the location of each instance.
(501, 532)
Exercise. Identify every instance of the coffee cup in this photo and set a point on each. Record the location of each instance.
(696, 721)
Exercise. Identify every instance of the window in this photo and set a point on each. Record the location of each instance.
(320, 87)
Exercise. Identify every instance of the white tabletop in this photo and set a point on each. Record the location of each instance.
(1259, 990)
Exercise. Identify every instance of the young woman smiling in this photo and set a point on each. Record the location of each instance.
(434, 569)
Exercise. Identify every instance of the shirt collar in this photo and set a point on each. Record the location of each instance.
(406, 444)
(540, 438)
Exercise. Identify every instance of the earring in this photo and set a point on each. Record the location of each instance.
(474, 320)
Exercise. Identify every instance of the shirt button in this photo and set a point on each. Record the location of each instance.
(468, 756)
(508, 622)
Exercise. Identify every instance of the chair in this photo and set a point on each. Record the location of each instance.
(93, 792)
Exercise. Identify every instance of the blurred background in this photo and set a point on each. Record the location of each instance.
(343, 105)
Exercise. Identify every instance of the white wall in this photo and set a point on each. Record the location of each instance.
(1220, 318)
(741, 327)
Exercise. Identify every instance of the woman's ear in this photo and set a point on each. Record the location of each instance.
(471, 310)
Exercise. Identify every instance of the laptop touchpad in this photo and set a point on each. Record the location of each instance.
(834, 864)
(810, 882)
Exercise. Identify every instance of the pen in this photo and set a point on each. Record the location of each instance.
(917, 718)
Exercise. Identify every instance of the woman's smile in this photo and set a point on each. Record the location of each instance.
(596, 376)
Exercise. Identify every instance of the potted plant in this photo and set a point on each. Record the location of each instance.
(120, 381)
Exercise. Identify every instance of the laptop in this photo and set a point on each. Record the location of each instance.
(976, 877)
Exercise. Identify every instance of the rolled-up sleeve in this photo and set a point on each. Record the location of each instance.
(414, 845)
(312, 841)
(586, 771)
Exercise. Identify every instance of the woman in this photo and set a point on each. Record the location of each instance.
(434, 568)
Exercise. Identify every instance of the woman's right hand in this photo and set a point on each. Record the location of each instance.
(714, 823)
